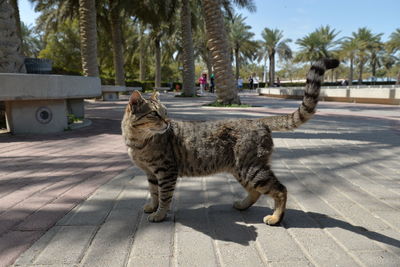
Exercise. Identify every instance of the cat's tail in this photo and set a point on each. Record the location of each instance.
(307, 108)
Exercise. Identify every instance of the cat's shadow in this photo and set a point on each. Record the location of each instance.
(222, 222)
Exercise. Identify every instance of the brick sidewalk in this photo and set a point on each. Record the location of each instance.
(341, 170)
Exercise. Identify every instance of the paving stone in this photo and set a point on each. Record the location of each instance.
(29, 256)
(194, 248)
(153, 239)
(94, 210)
(161, 261)
(299, 263)
(110, 246)
(378, 258)
(13, 243)
(67, 247)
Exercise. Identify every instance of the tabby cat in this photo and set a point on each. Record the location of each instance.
(165, 149)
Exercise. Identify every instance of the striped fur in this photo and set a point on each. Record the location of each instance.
(308, 106)
(167, 149)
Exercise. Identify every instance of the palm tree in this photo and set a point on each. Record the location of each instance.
(316, 45)
(393, 46)
(188, 50)
(367, 42)
(201, 50)
(388, 61)
(157, 14)
(348, 50)
(31, 43)
(218, 44)
(11, 59)
(142, 52)
(240, 37)
(55, 11)
(115, 14)
(377, 53)
(273, 43)
(88, 37)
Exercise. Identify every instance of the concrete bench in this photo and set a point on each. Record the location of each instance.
(131, 89)
(38, 103)
(111, 92)
(162, 89)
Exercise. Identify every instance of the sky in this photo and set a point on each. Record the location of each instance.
(298, 18)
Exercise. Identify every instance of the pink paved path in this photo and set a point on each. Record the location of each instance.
(44, 177)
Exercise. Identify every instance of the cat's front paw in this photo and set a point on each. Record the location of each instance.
(149, 208)
(156, 217)
(271, 220)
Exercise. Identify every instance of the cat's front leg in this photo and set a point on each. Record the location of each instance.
(166, 187)
(152, 205)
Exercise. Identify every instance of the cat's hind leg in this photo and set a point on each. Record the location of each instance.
(249, 200)
(279, 194)
(265, 182)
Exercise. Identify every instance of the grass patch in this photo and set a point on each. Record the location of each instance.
(73, 119)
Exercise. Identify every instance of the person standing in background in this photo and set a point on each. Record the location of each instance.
(203, 82)
(251, 82)
(255, 82)
(240, 84)
(212, 85)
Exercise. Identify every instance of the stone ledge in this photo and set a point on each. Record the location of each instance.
(377, 95)
(113, 88)
(131, 89)
(39, 103)
(16, 86)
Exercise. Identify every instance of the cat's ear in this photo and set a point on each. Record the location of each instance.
(155, 96)
(135, 100)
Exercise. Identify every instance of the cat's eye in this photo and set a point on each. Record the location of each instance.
(154, 114)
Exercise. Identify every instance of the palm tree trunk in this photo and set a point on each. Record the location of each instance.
(351, 71)
(14, 4)
(206, 57)
(271, 69)
(209, 63)
(11, 59)
(158, 62)
(265, 70)
(237, 61)
(118, 54)
(398, 78)
(88, 37)
(142, 57)
(188, 50)
(374, 69)
(360, 72)
(218, 43)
